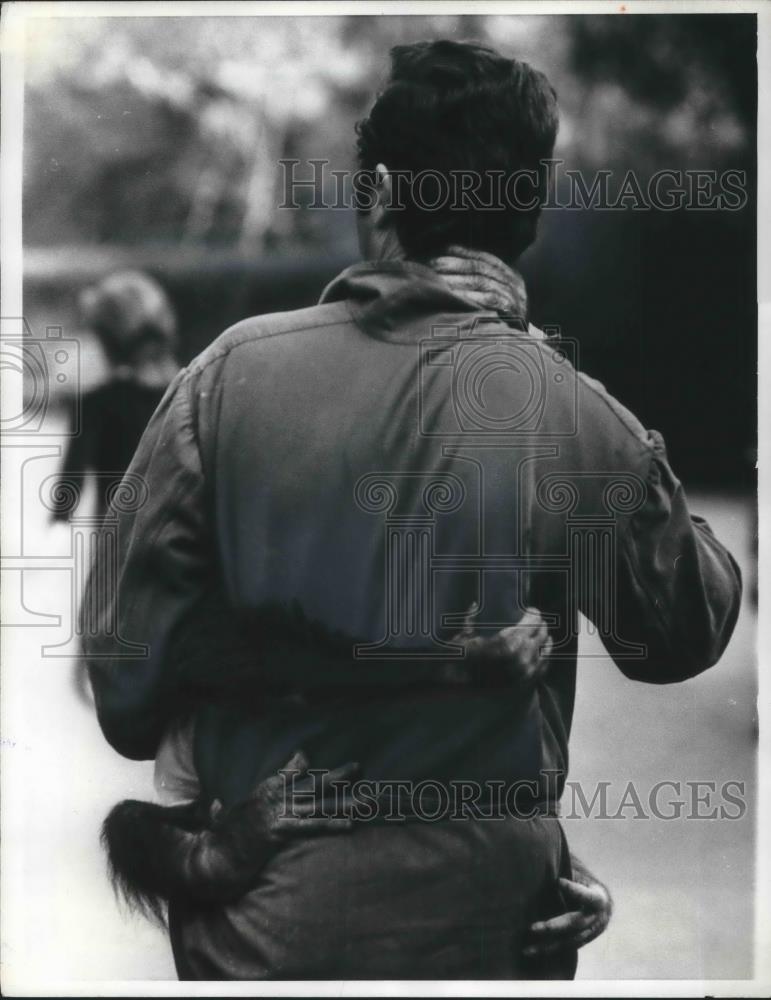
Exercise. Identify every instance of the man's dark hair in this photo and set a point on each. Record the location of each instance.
(453, 108)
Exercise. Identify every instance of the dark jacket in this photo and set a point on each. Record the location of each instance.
(358, 473)
(113, 418)
(379, 461)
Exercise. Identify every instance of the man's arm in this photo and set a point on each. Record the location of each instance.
(142, 592)
(68, 490)
(678, 589)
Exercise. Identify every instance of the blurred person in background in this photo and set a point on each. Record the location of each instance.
(134, 322)
(253, 462)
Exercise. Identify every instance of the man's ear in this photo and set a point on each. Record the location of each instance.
(384, 191)
(377, 234)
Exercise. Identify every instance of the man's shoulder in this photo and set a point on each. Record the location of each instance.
(256, 330)
(604, 432)
(600, 407)
(578, 407)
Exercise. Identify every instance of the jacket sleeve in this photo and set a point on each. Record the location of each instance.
(678, 589)
(142, 585)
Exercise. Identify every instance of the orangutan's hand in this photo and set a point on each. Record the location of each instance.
(521, 651)
(242, 840)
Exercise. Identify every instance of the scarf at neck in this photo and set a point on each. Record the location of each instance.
(484, 280)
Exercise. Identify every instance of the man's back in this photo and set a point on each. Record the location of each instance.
(340, 483)
(380, 462)
(374, 465)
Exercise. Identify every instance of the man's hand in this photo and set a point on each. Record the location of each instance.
(521, 651)
(589, 910)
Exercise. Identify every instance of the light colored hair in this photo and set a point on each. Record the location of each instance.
(126, 310)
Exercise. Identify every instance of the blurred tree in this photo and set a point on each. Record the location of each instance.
(658, 60)
(170, 129)
(674, 91)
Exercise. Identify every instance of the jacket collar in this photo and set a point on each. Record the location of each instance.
(401, 301)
